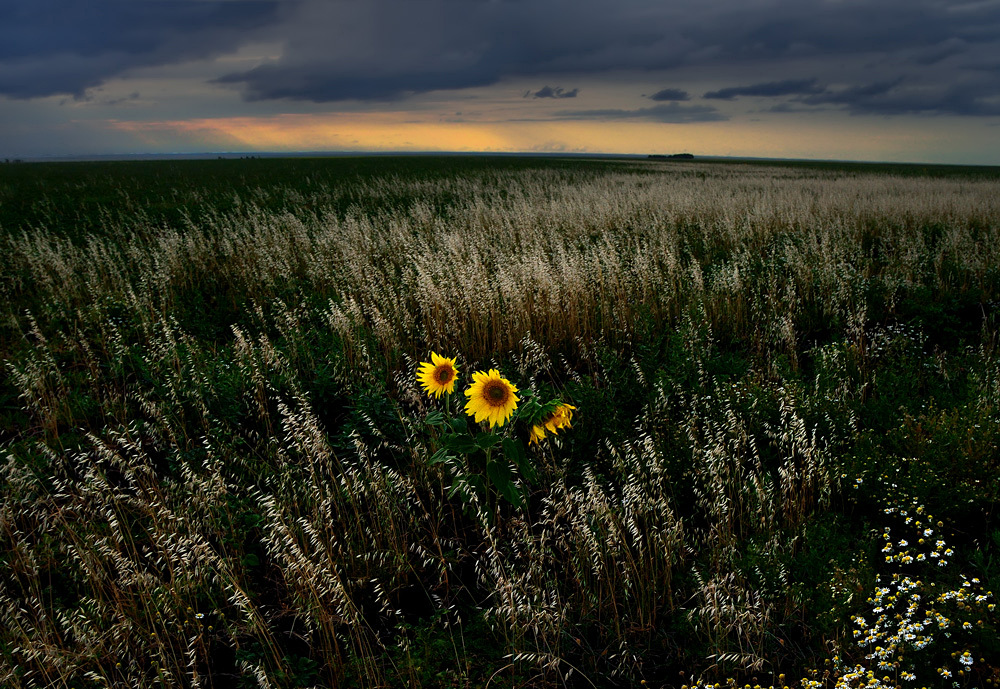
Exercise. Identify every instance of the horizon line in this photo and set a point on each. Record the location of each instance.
(659, 157)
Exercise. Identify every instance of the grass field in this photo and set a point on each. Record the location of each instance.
(218, 468)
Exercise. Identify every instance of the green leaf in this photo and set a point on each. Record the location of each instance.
(476, 481)
(459, 424)
(529, 412)
(435, 418)
(535, 412)
(499, 472)
(551, 406)
(487, 440)
(460, 442)
(514, 496)
(514, 451)
(438, 457)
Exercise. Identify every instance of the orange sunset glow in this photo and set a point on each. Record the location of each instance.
(399, 132)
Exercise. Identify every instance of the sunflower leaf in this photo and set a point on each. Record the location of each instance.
(513, 495)
(530, 411)
(435, 418)
(487, 440)
(499, 472)
(476, 481)
(514, 451)
(501, 476)
(460, 443)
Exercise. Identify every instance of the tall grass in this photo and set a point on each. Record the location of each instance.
(527, 252)
(214, 472)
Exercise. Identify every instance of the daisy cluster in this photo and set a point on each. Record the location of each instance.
(861, 676)
(854, 678)
(909, 617)
(857, 677)
(908, 613)
(731, 683)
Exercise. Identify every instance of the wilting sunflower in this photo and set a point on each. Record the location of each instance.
(560, 418)
(491, 397)
(438, 375)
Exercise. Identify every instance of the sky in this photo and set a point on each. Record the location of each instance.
(895, 80)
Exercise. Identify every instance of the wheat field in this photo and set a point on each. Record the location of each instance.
(217, 466)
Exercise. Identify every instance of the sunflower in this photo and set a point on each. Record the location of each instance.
(560, 418)
(437, 376)
(491, 397)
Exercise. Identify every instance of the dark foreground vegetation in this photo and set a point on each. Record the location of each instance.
(217, 468)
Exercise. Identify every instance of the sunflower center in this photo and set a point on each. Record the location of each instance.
(495, 393)
(443, 374)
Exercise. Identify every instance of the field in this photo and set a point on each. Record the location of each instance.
(218, 468)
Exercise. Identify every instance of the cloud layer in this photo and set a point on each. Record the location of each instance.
(50, 47)
(771, 88)
(670, 95)
(549, 92)
(674, 113)
(867, 56)
(888, 97)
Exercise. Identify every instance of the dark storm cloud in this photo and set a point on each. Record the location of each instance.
(770, 89)
(941, 51)
(335, 50)
(385, 49)
(67, 46)
(549, 92)
(897, 97)
(315, 83)
(790, 29)
(674, 113)
(670, 94)
(853, 94)
(390, 49)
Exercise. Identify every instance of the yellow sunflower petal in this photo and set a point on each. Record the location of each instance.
(438, 376)
(491, 398)
(537, 434)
